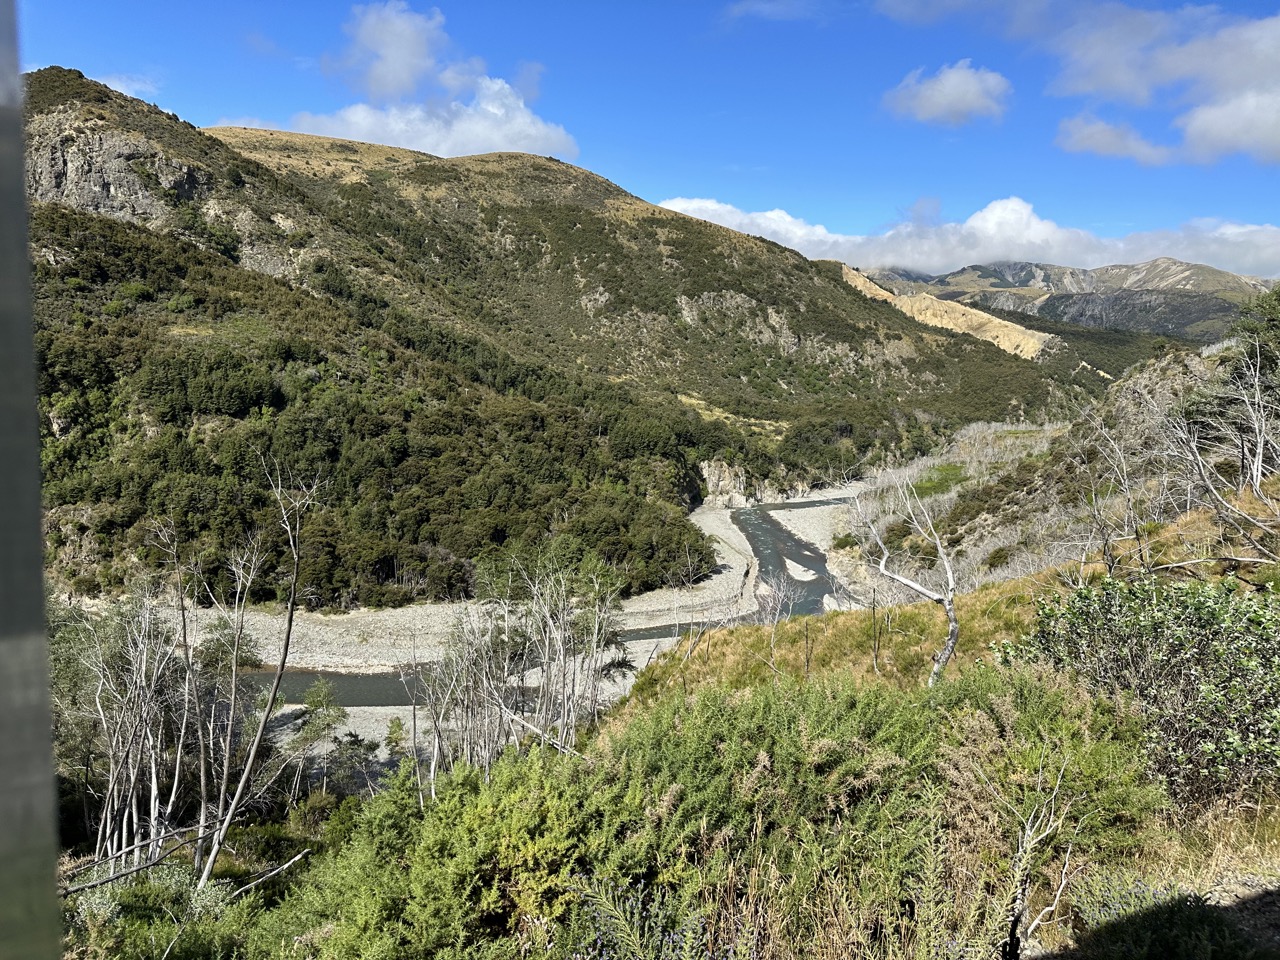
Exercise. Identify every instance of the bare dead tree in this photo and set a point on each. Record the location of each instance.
(1228, 445)
(223, 716)
(185, 575)
(527, 660)
(776, 595)
(920, 521)
(411, 678)
(1037, 826)
(293, 499)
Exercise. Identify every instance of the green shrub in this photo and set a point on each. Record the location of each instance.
(998, 558)
(1202, 662)
(845, 541)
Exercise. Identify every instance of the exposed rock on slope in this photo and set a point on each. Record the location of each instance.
(1160, 296)
(926, 308)
(93, 167)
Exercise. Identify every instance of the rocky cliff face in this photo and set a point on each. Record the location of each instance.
(107, 154)
(87, 165)
(728, 486)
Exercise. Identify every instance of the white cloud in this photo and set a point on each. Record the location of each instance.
(1247, 123)
(954, 95)
(1086, 134)
(393, 47)
(423, 97)
(1215, 72)
(1219, 74)
(131, 84)
(495, 118)
(1007, 229)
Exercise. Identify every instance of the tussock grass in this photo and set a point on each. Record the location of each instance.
(893, 643)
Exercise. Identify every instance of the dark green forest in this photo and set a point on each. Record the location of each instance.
(169, 379)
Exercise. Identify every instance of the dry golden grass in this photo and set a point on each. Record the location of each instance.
(773, 429)
(328, 157)
(895, 644)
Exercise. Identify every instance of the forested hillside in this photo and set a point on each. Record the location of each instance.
(171, 380)
(466, 354)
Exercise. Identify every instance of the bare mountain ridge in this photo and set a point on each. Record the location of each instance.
(1163, 295)
(928, 309)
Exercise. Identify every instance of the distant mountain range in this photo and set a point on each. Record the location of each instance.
(1164, 295)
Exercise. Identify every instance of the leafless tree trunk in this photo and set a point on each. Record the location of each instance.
(919, 519)
(777, 595)
(165, 537)
(526, 660)
(1230, 448)
(223, 725)
(293, 502)
(140, 708)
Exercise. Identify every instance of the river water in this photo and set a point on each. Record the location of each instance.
(781, 555)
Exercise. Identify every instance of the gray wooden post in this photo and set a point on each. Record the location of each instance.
(29, 925)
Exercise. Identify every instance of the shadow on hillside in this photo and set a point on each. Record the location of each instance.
(1186, 928)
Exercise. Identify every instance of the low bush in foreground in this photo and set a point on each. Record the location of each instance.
(1200, 660)
(822, 819)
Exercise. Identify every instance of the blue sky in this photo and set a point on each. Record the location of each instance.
(926, 134)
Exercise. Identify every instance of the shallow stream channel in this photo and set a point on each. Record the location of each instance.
(780, 557)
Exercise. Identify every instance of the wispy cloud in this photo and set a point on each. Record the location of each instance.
(1215, 72)
(1005, 229)
(1219, 74)
(955, 95)
(422, 94)
(773, 9)
(1088, 134)
(131, 84)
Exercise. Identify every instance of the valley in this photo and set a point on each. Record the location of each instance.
(384, 323)
(1167, 296)
(464, 558)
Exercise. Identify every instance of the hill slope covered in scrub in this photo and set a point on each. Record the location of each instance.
(471, 353)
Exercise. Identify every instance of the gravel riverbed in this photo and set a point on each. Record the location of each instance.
(377, 641)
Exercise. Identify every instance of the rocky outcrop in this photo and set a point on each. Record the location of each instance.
(865, 285)
(928, 309)
(728, 486)
(87, 165)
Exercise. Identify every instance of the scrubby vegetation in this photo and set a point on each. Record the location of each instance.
(468, 352)
(459, 377)
(824, 818)
(844, 816)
